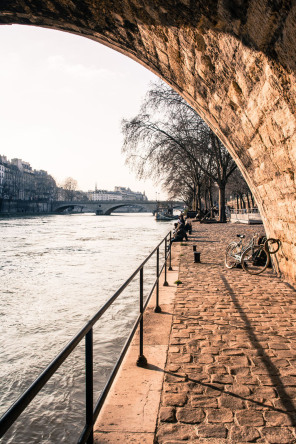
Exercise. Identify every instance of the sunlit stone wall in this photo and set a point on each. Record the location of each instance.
(233, 60)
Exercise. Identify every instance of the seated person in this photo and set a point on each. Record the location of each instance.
(181, 220)
(188, 227)
(175, 228)
(179, 233)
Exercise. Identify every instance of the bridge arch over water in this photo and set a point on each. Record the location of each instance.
(116, 207)
(105, 208)
(67, 207)
(233, 61)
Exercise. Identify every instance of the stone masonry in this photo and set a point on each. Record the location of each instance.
(230, 375)
(234, 61)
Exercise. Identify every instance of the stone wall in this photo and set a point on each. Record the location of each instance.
(234, 61)
(23, 207)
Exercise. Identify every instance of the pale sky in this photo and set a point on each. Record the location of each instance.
(62, 99)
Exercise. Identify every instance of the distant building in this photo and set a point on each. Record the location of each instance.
(18, 181)
(128, 194)
(119, 193)
(104, 195)
(2, 174)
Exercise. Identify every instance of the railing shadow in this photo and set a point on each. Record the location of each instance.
(271, 368)
(187, 379)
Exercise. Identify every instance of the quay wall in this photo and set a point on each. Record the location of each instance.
(18, 207)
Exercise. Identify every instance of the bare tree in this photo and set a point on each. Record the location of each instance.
(70, 186)
(169, 141)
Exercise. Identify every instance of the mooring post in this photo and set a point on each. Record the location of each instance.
(89, 384)
(196, 256)
(142, 361)
(170, 267)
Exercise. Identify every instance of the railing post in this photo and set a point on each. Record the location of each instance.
(165, 263)
(142, 361)
(170, 267)
(89, 384)
(157, 307)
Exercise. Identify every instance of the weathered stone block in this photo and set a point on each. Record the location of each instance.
(190, 415)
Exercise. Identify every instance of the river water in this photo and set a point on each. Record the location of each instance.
(56, 272)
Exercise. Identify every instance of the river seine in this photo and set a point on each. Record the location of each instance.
(56, 272)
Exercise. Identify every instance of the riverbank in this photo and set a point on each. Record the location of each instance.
(229, 373)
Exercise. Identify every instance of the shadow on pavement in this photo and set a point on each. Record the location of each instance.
(272, 370)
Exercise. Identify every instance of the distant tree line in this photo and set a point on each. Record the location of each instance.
(169, 142)
(239, 193)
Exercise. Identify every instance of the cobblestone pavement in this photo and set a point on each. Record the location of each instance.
(230, 375)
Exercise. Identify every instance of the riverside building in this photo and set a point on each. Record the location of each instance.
(18, 181)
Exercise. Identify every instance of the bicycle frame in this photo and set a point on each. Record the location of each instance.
(238, 256)
(254, 257)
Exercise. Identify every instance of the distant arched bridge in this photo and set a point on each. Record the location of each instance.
(106, 207)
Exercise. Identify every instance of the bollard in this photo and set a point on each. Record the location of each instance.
(194, 247)
(196, 256)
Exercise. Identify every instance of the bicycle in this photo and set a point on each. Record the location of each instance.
(254, 258)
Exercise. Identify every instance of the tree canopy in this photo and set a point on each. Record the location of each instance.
(169, 142)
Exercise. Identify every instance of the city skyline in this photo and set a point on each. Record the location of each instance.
(15, 161)
(62, 101)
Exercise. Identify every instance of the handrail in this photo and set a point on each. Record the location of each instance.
(11, 415)
(244, 210)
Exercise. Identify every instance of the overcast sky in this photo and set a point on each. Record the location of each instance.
(62, 101)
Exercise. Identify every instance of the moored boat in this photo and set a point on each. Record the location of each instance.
(165, 214)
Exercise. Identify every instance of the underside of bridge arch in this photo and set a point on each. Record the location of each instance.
(63, 208)
(234, 61)
(111, 210)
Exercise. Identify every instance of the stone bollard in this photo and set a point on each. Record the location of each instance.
(196, 257)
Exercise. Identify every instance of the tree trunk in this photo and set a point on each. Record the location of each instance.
(242, 202)
(198, 197)
(206, 199)
(194, 198)
(222, 212)
(253, 202)
(248, 200)
(211, 196)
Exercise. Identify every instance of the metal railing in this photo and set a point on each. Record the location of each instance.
(244, 211)
(91, 414)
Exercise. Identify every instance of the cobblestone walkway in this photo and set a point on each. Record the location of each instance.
(231, 369)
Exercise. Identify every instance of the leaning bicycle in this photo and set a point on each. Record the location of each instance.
(254, 257)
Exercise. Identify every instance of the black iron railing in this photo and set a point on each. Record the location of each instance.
(91, 414)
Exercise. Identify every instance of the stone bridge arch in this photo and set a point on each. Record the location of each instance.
(109, 211)
(63, 208)
(234, 61)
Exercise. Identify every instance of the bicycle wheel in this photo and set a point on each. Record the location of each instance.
(255, 260)
(272, 245)
(231, 255)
